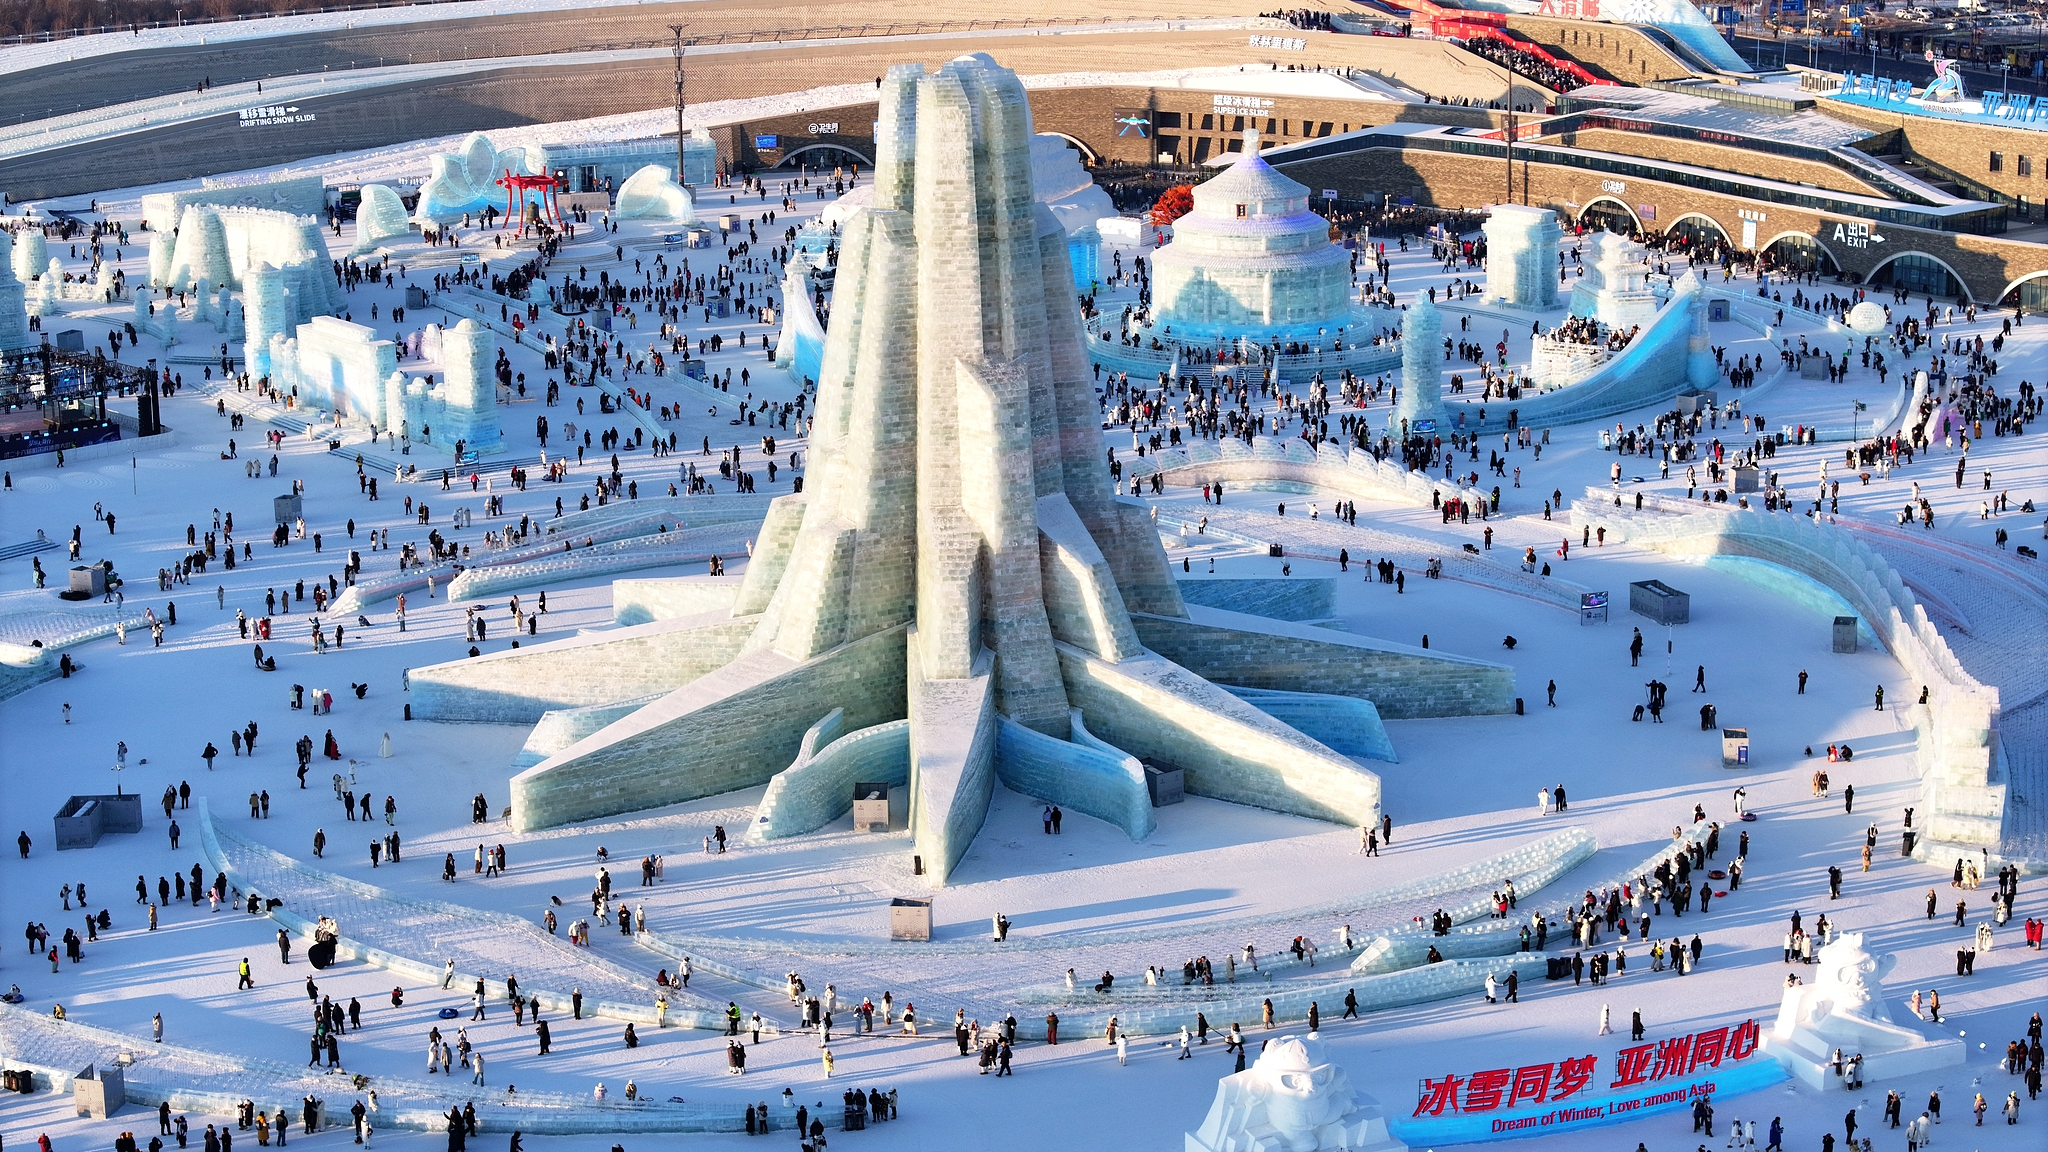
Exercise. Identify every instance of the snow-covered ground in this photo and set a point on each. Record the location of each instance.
(1213, 877)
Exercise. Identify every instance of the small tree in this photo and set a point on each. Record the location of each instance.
(1174, 203)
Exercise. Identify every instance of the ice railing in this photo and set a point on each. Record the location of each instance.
(1348, 466)
(660, 549)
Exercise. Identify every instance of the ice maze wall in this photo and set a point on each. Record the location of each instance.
(736, 735)
(518, 686)
(1307, 598)
(817, 788)
(462, 410)
(336, 365)
(1082, 774)
(1345, 723)
(1258, 652)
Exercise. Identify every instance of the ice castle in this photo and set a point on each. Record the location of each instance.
(1252, 261)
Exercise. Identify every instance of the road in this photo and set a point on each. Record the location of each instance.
(1799, 50)
(96, 81)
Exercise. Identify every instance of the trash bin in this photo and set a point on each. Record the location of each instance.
(88, 580)
(1734, 747)
(1845, 634)
(1165, 782)
(1659, 601)
(910, 919)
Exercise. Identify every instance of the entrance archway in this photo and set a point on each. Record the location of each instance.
(834, 155)
(1694, 232)
(1610, 214)
(1919, 272)
(1798, 252)
(2029, 292)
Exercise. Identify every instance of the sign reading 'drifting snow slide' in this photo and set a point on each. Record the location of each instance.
(274, 114)
(1540, 1099)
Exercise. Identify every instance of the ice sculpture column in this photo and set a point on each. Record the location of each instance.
(1521, 256)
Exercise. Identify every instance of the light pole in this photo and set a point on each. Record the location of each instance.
(1510, 134)
(677, 29)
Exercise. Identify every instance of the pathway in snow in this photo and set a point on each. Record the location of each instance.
(859, 968)
(214, 1083)
(428, 933)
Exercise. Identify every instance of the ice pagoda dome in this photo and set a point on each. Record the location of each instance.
(1250, 188)
(1250, 260)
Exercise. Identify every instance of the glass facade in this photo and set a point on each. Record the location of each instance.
(1917, 273)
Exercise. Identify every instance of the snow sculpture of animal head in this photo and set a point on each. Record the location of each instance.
(1304, 1092)
(1848, 980)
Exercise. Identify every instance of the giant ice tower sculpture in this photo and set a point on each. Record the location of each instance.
(957, 558)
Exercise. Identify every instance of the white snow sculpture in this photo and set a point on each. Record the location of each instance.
(201, 252)
(1868, 318)
(1251, 259)
(1064, 186)
(43, 298)
(1843, 1008)
(653, 194)
(1292, 1100)
(31, 255)
(160, 252)
(380, 217)
(13, 299)
(1521, 256)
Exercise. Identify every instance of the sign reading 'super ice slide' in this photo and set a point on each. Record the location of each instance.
(1543, 1098)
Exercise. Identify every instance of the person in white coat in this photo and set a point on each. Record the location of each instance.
(1123, 1049)
(1543, 802)
(1491, 986)
(1185, 1052)
(1606, 1027)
